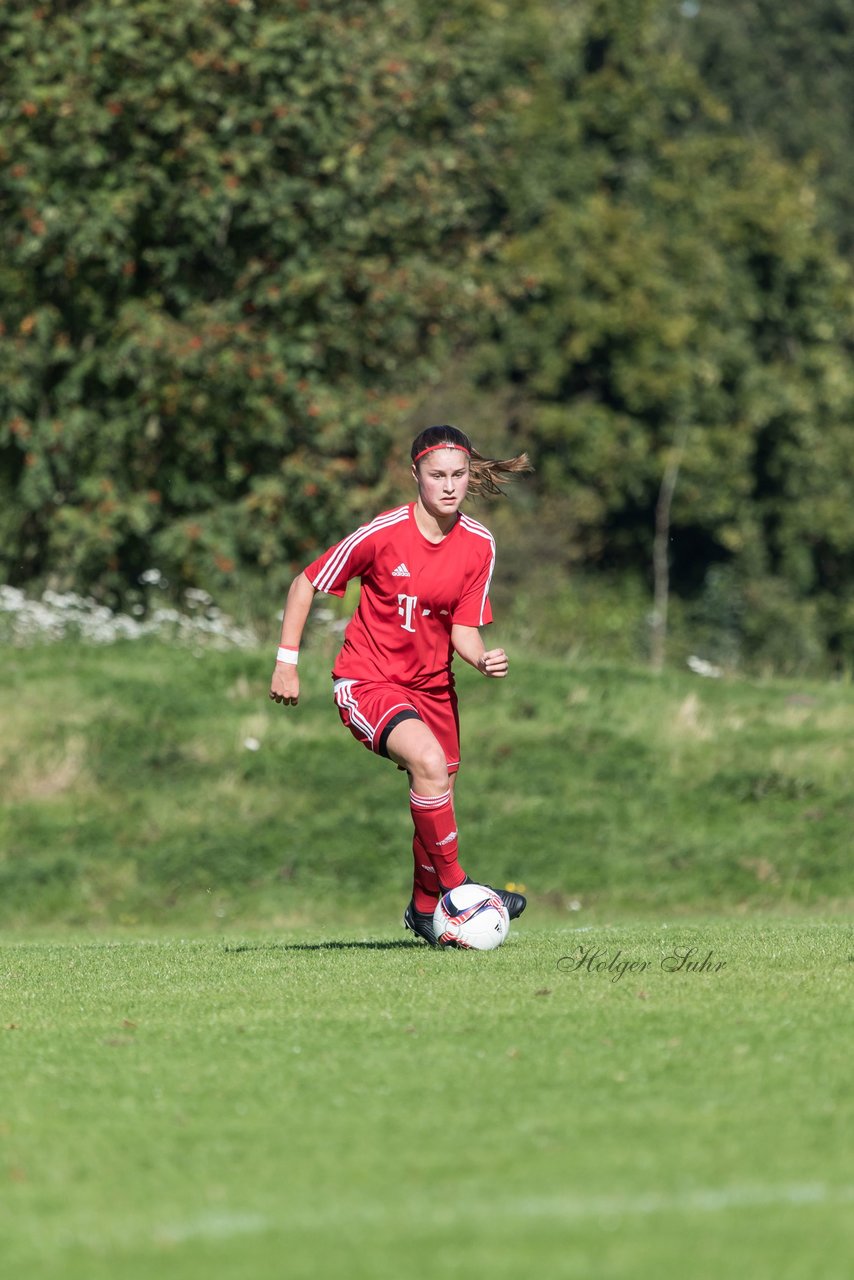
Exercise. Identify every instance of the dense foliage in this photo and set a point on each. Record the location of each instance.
(784, 72)
(232, 227)
(242, 234)
(683, 308)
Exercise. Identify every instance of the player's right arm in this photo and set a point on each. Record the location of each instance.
(284, 686)
(329, 573)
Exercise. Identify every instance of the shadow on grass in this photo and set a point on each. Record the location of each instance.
(404, 944)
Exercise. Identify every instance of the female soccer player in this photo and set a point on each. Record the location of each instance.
(425, 570)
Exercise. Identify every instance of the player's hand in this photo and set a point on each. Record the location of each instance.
(493, 663)
(284, 687)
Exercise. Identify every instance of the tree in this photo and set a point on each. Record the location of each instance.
(784, 73)
(672, 275)
(238, 231)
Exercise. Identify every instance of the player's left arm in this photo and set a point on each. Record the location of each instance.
(468, 643)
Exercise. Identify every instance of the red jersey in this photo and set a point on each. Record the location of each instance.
(413, 592)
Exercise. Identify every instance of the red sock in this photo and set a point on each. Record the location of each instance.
(436, 828)
(425, 882)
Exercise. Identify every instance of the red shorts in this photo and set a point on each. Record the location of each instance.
(370, 709)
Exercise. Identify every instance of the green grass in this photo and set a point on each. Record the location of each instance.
(344, 1102)
(130, 796)
(220, 1056)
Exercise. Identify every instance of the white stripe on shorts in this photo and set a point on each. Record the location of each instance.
(343, 692)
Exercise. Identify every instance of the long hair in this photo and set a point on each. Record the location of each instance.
(487, 475)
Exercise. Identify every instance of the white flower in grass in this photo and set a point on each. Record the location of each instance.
(57, 613)
(701, 667)
(195, 597)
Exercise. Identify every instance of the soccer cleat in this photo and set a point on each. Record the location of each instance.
(514, 902)
(421, 924)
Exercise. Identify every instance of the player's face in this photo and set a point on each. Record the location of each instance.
(443, 480)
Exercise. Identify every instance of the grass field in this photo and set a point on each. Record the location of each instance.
(221, 1056)
(148, 784)
(353, 1104)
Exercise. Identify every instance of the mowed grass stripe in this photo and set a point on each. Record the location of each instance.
(705, 1200)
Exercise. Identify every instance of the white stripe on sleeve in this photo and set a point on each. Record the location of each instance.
(341, 554)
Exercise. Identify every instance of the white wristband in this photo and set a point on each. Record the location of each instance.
(291, 656)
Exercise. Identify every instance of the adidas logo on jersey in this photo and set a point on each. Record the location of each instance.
(401, 571)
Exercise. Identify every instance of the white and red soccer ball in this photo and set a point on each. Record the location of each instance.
(471, 916)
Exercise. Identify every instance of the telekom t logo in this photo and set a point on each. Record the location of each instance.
(406, 608)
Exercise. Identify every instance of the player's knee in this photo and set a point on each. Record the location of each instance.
(416, 749)
(426, 765)
(431, 766)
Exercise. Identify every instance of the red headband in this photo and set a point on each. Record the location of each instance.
(444, 444)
